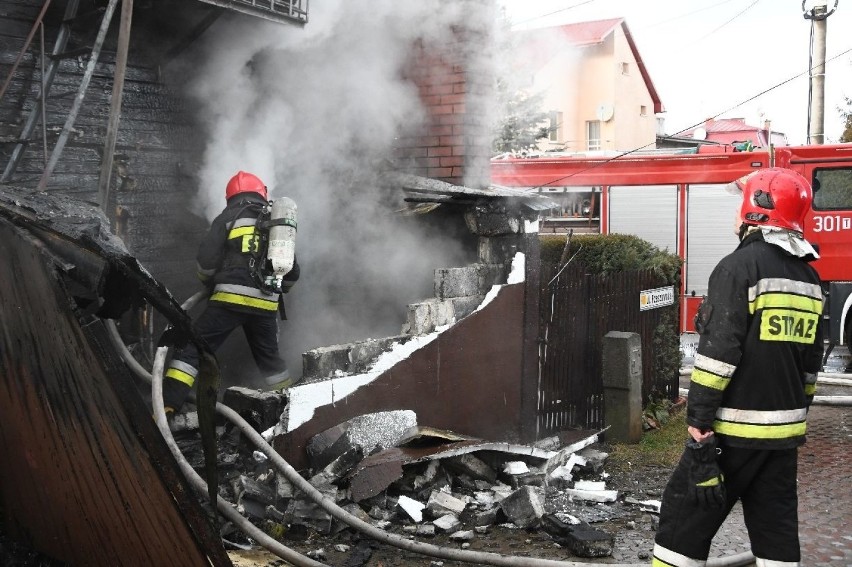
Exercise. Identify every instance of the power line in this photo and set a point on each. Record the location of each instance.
(716, 5)
(743, 11)
(552, 13)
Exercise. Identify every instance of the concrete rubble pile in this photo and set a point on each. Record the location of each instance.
(386, 470)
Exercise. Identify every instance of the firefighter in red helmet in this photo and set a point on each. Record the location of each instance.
(760, 349)
(226, 260)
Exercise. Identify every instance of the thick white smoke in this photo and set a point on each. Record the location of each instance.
(314, 112)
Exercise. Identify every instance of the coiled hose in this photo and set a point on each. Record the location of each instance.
(155, 378)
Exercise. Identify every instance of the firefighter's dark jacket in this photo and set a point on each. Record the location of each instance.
(760, 348)
(225, 258)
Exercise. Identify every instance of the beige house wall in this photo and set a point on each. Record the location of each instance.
(578, 80)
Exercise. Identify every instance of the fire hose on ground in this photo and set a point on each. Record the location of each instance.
(155, 378)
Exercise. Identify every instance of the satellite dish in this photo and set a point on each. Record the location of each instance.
(699, 133)
(605, 112)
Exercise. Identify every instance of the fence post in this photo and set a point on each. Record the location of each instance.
(622, 385)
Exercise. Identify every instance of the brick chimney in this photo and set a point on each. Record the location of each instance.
(455, 81)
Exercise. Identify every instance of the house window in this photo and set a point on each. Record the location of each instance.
(625, 68)
(643, 110)
(555, 126)
(593, 135)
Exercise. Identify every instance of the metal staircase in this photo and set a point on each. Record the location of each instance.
(290, 11)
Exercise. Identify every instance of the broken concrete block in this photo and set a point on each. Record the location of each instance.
(516, 467)
(252, 496)
(425, 530)
(562, 474)
(532, 478)
(446, 523)
(327, 445)
(284, 489)
(594, 460)
(464, 306)
(302, 511)
(582, 539)
(354, 510)
(441, 503)
(424, 317)
(590, 485)
(501, 491)
(380, 430)
(380, 513)
(565, 459)
(325, 361)
(336, 470)
(493, 220)
(261, 409)
(462, 535)
(412, 508)
(484, 498)
(499, 249)
(593, 495)
(524, 507)
(428, 475)
(472, 466)
(370, 432)
(482, 517)
(645, 505)
(363, 354)
(457, 282)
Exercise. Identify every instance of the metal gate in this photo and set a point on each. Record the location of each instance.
(577, 310)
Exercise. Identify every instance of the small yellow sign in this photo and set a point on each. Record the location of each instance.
(654, 298)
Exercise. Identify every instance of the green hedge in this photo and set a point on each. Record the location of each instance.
(612, 253)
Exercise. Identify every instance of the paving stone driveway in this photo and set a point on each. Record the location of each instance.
(825, 488)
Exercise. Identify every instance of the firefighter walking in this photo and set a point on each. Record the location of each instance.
(230, 264)
(754, 377)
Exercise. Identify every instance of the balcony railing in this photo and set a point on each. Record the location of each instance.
(288, 11)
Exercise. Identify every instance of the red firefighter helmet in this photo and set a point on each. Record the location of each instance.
(775, 197)
(244, 182)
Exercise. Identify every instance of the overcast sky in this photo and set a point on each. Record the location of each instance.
(708, 57)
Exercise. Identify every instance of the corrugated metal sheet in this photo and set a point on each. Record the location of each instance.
(710, 232)
(649, 212)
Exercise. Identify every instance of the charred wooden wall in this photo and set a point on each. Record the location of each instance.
(157, 147)
(85, 476)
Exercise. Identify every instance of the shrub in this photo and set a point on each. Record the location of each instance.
(612, 253)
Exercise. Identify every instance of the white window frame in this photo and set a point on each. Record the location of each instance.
(593, 135)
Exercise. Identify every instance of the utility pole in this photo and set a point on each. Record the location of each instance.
(818, 15)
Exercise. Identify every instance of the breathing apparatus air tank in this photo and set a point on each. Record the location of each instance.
(281, 252)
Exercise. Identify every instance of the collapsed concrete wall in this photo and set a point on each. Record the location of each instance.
(466, 360)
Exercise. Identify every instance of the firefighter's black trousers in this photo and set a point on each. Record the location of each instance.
(764, 481)
(214, 325)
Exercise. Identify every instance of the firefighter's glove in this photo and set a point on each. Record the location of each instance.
(706, 481)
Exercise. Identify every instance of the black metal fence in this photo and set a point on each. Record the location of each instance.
(577, 310)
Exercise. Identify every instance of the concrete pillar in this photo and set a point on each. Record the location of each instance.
(622, 383)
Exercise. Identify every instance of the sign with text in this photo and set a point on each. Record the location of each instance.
(654, 298)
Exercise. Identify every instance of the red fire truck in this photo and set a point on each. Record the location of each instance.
(679, 202)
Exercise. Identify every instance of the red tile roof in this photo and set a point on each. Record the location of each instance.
(589, 33)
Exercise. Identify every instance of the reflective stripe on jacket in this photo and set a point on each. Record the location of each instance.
(760, 348)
